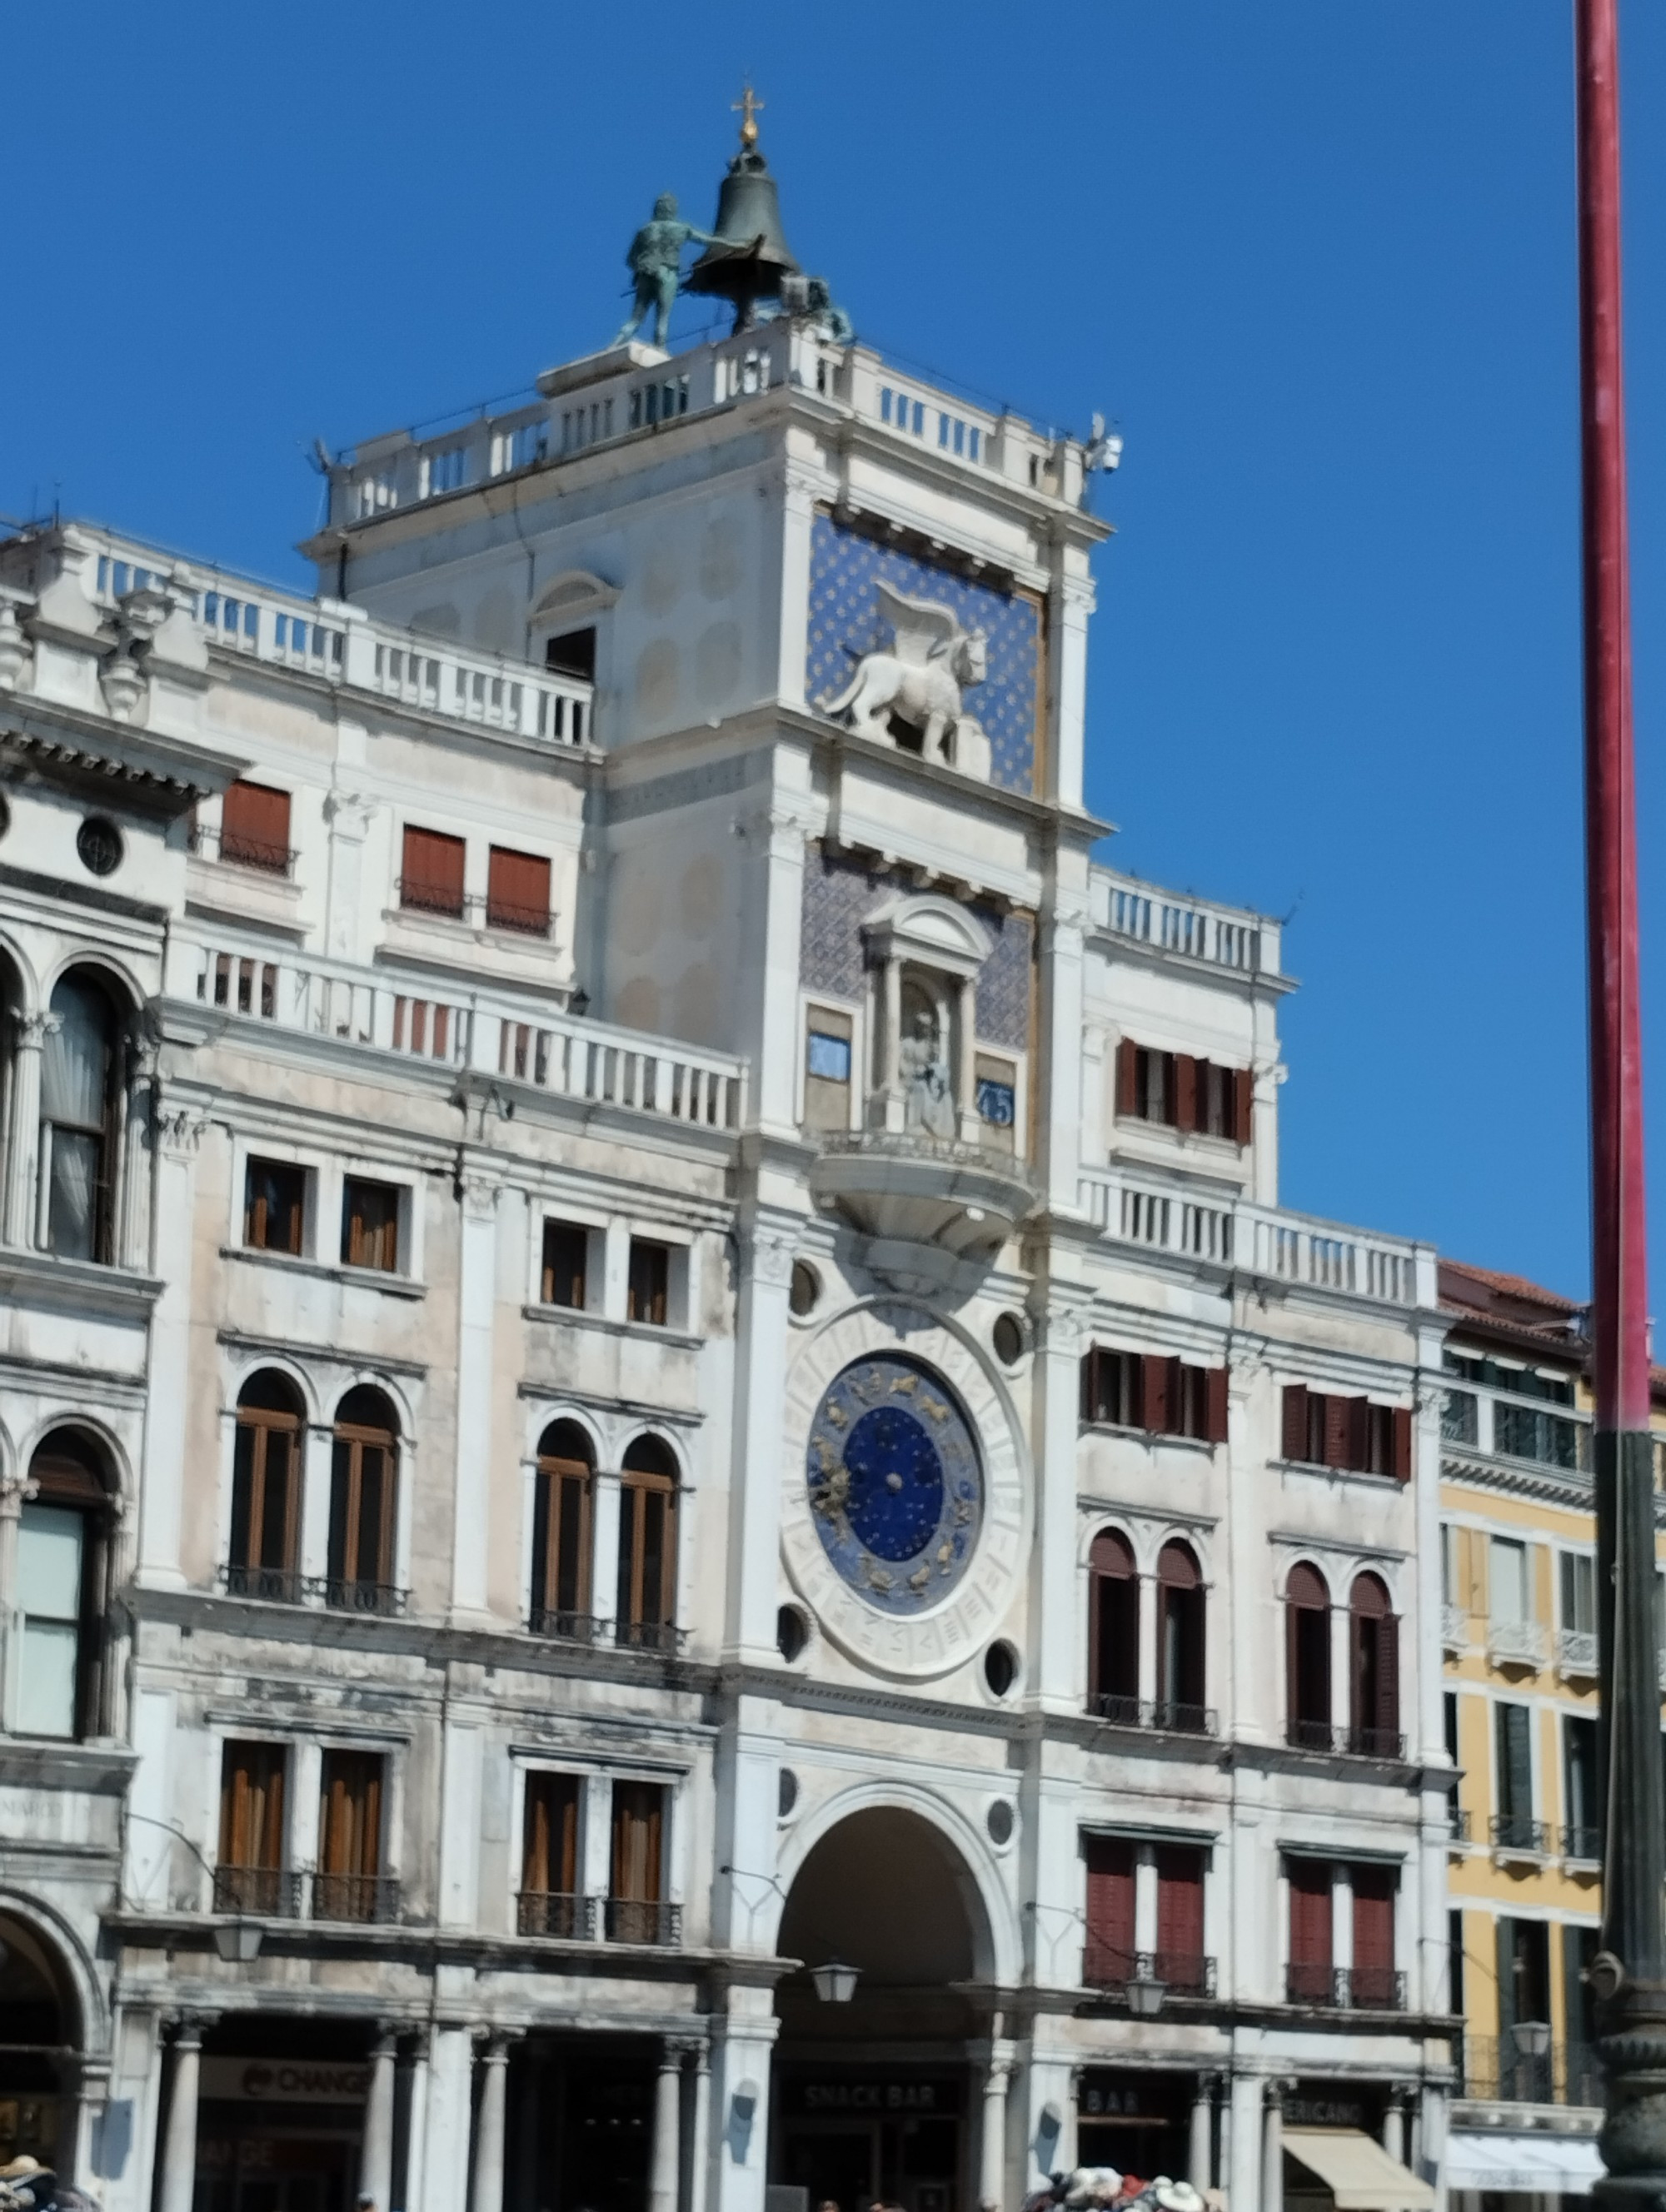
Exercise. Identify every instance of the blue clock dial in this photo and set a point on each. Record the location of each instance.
(895, 1483)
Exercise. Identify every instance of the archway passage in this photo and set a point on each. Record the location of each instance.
(39, 2067)
(876, 2100)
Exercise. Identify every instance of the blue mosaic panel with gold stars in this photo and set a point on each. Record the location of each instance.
(845, 623)
(895, 1483)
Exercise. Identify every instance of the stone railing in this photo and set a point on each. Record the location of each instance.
(1575, 1654)
(1261, 1240)
(1517, 1643)
(1454, 1628)
(342, 645)
(1222, 936)
(487, 1033)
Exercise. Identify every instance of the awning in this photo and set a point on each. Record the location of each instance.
(1357, 2171)
(1545, 2164)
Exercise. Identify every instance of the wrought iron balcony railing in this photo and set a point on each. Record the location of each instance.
(1495, 2068)
(1345, 1989)
(1352, 1743)
(369, 1898)
(260, 1892)
(1518, 1834)
(268, 1585)
(1458, 1822)
(633, 1920)
(238, 849)
(564, 1625)
(1583, 1841)
(1182, 1973)
(552, 1912)
(1162, 1716)
(344, 1594)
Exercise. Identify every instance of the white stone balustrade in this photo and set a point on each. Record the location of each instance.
(489, 1033)
(1517, 1643)
(1198, 929)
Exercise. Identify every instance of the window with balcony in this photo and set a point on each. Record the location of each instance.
(636, 1909)
(1180, 1640)
(255, 828)
(1353, 1435)
(1113, 1629)
(370, 1224)
(1524, 1986)
(645, 1600)
(1373, 1982)
(1374, 1654)
(1309, 1977)
(349, 1884)
(1180, 1963)
(1307, 1657)
(1184, 1093)
(274, 1205)
(1582, 1837)
(566, 1262)
(266, 1490)
(550, 1901)
(1530, 1433)
(573, 653)
(561, 1533)
(431, 872)
(363, 1503)
(249, 1876)
(518, 891)
(1514, 1828)
(1149, 1391)
(63, 1539)
(82, 1100)
(1108, 1959)
(647, 1288)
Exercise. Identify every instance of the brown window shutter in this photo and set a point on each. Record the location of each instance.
(1186, 1073)
(1215, 1421)
(1158, 1392)
(1295, 1420)
(1402, 1444)
(1387, 1715)
(1310, 1913)
(254, 825)
(1243, 1104)
(1373, 1919)
(1180, 1902)
(1359, 1435)
(1127, 1076)
(1338, 1430)
(431, 871)
(1110, 1892)
(517, 890)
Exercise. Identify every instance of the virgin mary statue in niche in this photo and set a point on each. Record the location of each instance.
(928, 1101)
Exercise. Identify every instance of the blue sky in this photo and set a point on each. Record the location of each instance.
(1316, 261)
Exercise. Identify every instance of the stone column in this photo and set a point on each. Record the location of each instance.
(1272, 2148)
(179, 1131)
(179, 2142)
(889, 1010)
(24, 1124)
(992, 2161)
(445, 2166)
(965, 1079)
(1241, 2149)
(349, 823)
(1199, 2162)
(1393, 2126)
(16, 1492)
(476, 1293)
(376, 2157)
(416, 2127)
(488, 2191)
(1057, 1646)
(770, 1239)
(91, 2097)
(603, 1543)
(700, 2149)
(668, 2133)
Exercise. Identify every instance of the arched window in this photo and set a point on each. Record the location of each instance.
(561, 1533)
(265, 1490)
(1180, 1632)
(62, 1589)
(647, 1599)
(363, 1503)
(1113, 1630)
(1307, 1649)
(79, 1094)
(1374, 1670)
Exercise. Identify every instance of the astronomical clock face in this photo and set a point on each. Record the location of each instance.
(895, 1485)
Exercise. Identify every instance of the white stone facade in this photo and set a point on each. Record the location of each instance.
(501, 1673)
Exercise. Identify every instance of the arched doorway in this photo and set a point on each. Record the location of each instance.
(40, 2058)
(875, 2099)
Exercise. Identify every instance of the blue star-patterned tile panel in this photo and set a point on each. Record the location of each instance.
(845, 623)
(895, 1485)
(838, 897)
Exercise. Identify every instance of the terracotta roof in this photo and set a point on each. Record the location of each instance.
(1515, 1288)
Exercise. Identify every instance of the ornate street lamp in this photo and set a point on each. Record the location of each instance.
(835, 1983)
(1145, 1996)
(1531, 2037)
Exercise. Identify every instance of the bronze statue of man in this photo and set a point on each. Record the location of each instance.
(655, 261)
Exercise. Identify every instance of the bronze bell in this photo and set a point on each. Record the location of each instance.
(751, 256)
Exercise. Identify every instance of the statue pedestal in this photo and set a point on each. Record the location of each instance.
(593, 367)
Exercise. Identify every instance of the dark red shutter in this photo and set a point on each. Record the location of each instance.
(1402, 1444)
(1387, 1715)
(517, 890)
(1187, 1072)
(1159, 1390)
(431, 873)
(1243, 1104)
(1373, 1919)
(1110, 1903)
(1180, 1903)
(1358, 1434)
(1310, 1913)
(1338, 1427)
(1127, 1076)
(1214, 1424)
(254, 825)
(1295, 1420)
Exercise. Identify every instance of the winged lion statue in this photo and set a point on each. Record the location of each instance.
(919, 683)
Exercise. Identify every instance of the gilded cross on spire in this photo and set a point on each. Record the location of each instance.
(749, 107)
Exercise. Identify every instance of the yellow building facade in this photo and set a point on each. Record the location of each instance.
(1518, 1624)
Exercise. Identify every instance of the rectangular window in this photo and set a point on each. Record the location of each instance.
(1507, 1595)
(1310, 1978)
(565, 1253)
(549, 1839)
(1579, 1581)
(249, 1876)
(1450, 1581)
(827, 1055)
(1583, 1836)
(431, 872)
(1163, 1396)
(648, 1282)
(266, 1497)
(518, 891)
(645, 1599)
(1154, 1085)
(573, 653)
(347, 1885)
(1354, 1436)
(1529, 1432)
(370, 1224)
(1455, 1962)
(1110, 1388)
(1460, 1417)
(1110, 1960)
(255, 828)
(560, 1545)
(52, 1542)
(1513, 1783)
(274, 1205)
(1180, 1961)
(635, 1912)
(1372, 1983)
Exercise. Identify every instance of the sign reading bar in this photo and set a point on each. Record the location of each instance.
(867, 2097)
(286, 2081)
